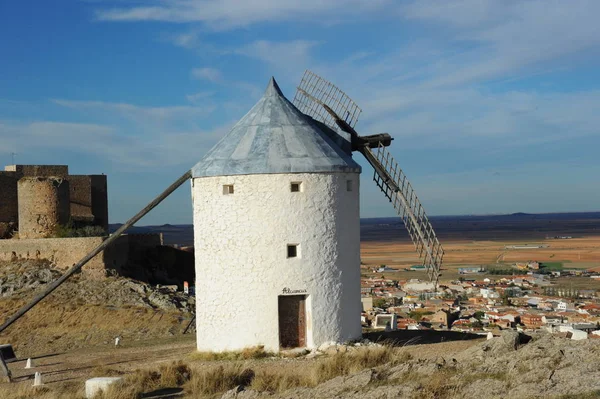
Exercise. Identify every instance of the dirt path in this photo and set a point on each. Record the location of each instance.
(76, 366)
(86, 363)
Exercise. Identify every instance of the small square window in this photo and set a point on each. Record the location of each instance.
(292, 250)
(227, 189)
(348, 185)
(296, 187)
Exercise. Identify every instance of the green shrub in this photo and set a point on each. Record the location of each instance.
(68, 231)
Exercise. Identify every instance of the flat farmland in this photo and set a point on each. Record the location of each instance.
(471, 241)
(581, 252)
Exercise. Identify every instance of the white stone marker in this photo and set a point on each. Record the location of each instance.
(37, 380)
(490, 335)
(94, 385)
(29, 364)
(117, 341)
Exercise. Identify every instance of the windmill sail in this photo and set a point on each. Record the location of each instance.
(393, 183)
(326, 103)
(314, 92)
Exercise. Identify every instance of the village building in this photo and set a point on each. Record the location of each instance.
(531, 321)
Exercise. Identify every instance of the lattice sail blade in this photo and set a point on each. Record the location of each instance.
(393, 183)
(315, 91)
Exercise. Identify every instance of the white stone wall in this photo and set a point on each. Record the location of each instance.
(241, 257)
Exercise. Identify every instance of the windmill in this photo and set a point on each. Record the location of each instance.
(327, 104)
(320, 109)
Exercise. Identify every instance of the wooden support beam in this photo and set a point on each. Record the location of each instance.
(4, 370)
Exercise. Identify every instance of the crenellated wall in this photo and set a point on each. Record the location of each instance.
(39, 170)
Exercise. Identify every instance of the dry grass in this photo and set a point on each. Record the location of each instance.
(167, 376)
(206, 380)
(589, 395)
(103, 371)
(255, 352)
(203, 381)
(438, 385)
(350, 362)
(212, 380)
(469, 378)
(340, 364)
(281, 380)
(445, 383)
(25, 390)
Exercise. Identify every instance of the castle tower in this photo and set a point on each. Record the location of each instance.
(43, 205)
(276, 229)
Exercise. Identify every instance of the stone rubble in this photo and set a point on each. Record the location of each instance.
(30, 275)
(512, 365)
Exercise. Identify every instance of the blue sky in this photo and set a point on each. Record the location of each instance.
(494, 105)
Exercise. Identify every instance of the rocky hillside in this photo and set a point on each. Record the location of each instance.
(84, 312)
(546, 367)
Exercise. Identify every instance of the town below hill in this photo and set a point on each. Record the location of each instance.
(521, 302)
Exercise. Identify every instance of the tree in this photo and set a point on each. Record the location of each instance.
(479, 315)
(379, 303)
(505, 299)
(417, 316)
(477, 324)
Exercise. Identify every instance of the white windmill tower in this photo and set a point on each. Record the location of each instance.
(276, 230)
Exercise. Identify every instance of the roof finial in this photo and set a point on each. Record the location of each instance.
(273, 88)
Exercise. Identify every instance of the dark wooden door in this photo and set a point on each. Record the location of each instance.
(292, 321)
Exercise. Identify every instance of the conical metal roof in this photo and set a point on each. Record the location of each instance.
(274, 137)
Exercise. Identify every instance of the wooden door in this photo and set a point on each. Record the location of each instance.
(292, 321)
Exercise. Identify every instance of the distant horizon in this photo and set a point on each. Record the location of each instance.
(397, 217)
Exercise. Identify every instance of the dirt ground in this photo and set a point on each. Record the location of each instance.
(86, 362)
(74, 367)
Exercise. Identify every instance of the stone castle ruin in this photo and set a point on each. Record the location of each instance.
(36, 199)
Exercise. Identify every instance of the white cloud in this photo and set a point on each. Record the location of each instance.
(122, 133)
(433, 91)
(111, 143)
(186, 40)
(42, 135)
(215, 76)
(210, 74)
(459, 13)
(507, 37)
(142, 115)
(226, 14)
(286, 57)
(201, 97)
(278, 52)
(472, 119)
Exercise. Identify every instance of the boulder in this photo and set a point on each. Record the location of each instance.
(93, 386)
(511, 339)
